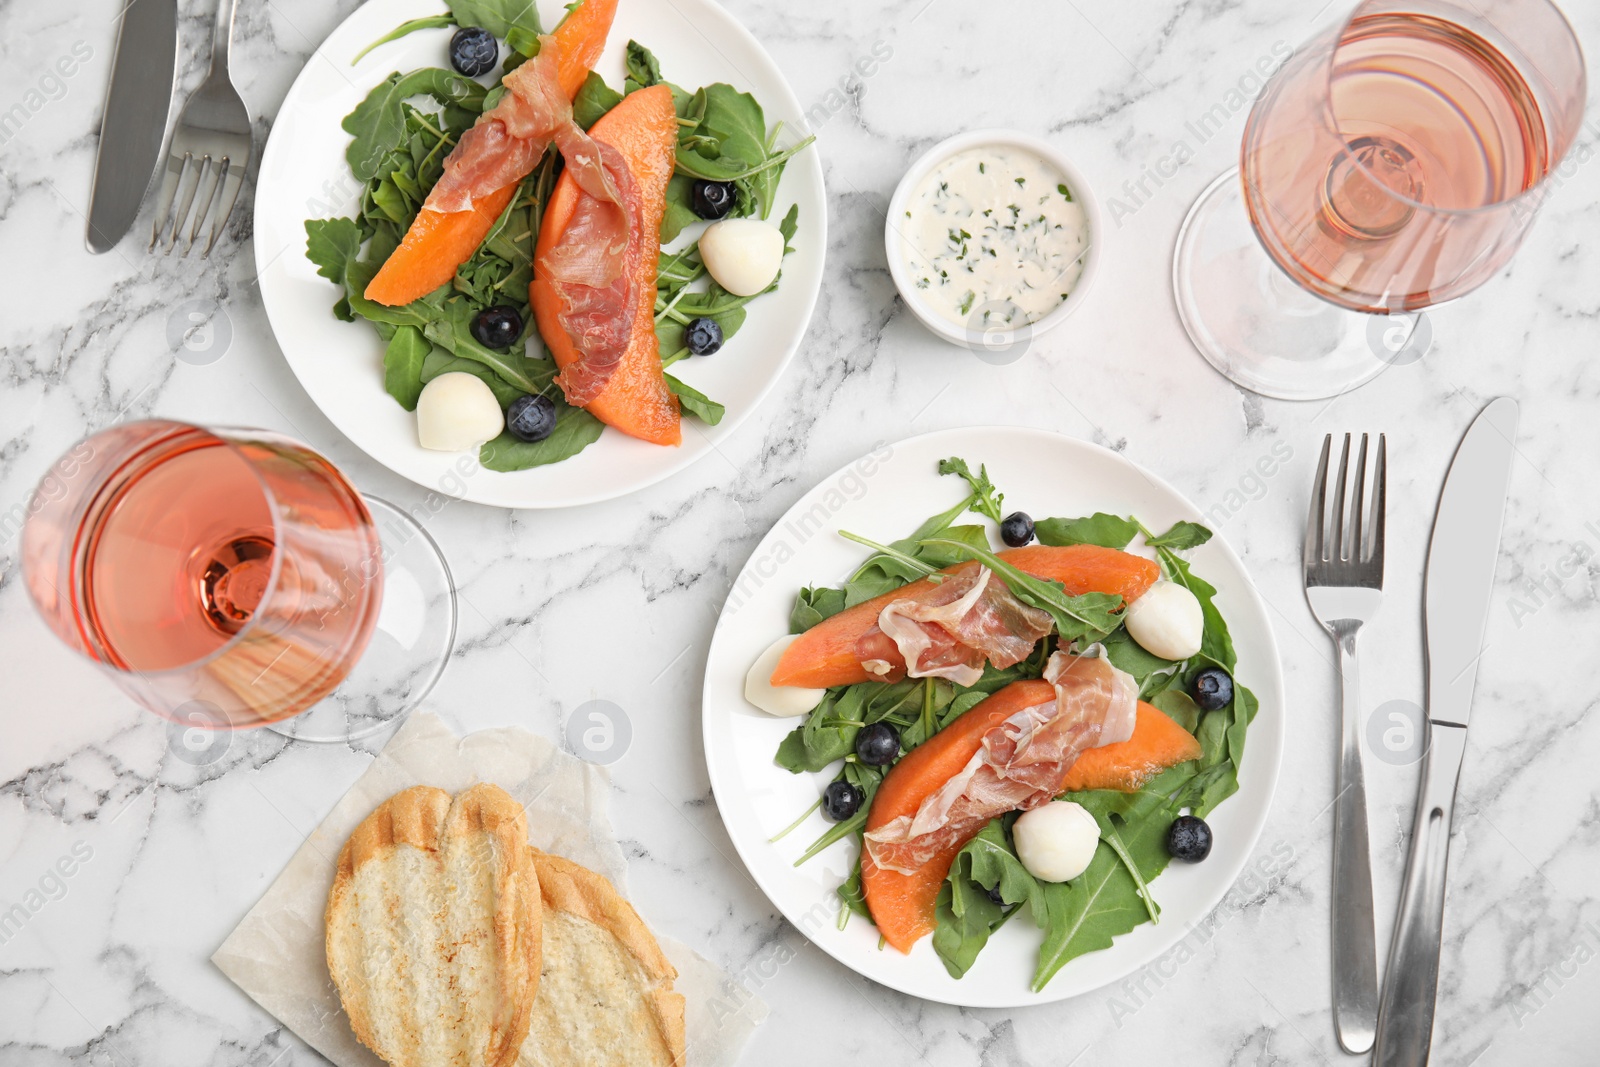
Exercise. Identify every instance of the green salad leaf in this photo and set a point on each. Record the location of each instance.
(594, 99)
(500, 17)
(697, 403)
(986, 499)
(1182, 537)
(378, 124)
(402, 365)
(1107, 531)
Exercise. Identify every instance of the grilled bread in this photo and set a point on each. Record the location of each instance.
(605, 994)
(433, 929)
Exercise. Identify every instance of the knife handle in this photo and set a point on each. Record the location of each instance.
(1355, 946)
(1411, 984)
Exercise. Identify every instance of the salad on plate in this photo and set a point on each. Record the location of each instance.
(526, 242)
(1038, 728)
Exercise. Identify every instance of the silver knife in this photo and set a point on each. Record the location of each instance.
(138, 100)
(1461, 563)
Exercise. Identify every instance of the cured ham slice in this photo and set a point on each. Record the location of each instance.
(591, 267)
(1020, 763)
(595, 277)
(952, 629)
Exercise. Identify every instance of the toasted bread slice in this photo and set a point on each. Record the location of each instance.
(433, 929)
(605, 995)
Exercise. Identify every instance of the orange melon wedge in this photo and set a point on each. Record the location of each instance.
(825, 655)
(440, 241)
(1157, 744)
(903, 904)
(636, 400)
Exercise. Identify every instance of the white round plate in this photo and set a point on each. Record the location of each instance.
(883, 496)
(303, 175)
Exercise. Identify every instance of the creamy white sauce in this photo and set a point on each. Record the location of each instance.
(993, 238)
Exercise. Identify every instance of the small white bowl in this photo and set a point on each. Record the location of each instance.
(995, 345)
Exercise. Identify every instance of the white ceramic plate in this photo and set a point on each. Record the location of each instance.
(884, 496)
(303, 175)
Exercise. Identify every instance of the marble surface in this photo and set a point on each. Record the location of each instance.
(111, 965)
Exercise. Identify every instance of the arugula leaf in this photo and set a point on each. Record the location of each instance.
(964, 919)
(594, 99)
(378, 124)
(697, 403)
(333, 244)
(812, 605)
(642, 67)
(499, 17)
(1128, 655)
(987, 500)
(575, 430)
(1107, 531)
(1179, 707)
(452, 330)
(679, 213)
(1184, 535)
(402, 365)
(724, 138)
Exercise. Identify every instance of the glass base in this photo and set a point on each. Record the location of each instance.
(410, 645)
(1256, 326)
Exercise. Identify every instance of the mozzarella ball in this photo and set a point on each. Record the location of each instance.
(743, 255)
(1057, 841)
(1166, 621)
(457, 411)
(784, 701)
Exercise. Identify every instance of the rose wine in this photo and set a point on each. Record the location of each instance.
(237, 577)
(1386, 180)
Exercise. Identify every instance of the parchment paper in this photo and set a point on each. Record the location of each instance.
(276, 953)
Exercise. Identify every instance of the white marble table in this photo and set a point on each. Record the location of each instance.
(111, 967)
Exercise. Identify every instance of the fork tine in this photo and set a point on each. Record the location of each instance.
(1357, 512)
(1338, 501)
(1380, 493)
(212, 169)
(233, 177)
(169, 192)
(186, 192)
(1312, 552)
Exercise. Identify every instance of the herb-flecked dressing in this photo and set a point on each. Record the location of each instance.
(994, 238)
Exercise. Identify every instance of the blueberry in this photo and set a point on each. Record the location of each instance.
(531, 418)
(1017, 529)
(474, 51)
(703, 336)
(841, 800)
(713, 200)
(1189, 839)
(877, 745)
(1212, 688)
(498, 326)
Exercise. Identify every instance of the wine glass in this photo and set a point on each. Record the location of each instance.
(231, 578)
(1393, 163)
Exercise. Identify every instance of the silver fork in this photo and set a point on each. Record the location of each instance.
(210, 151)
(1344, 584)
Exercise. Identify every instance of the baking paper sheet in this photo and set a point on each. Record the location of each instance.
(276, 953)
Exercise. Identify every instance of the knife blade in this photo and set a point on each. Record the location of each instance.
(1461, 559)
(138, 100)
(1460, 582)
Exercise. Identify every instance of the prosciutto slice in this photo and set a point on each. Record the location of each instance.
(592, 264)
(953, 629)
(1020, 763)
